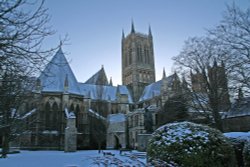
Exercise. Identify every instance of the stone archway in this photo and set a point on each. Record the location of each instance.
(117, 143)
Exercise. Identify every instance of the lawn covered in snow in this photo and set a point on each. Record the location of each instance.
(83, 158)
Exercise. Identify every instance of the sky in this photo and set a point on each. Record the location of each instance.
(94, 29)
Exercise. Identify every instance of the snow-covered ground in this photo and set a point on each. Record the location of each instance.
(240, 135)
(62, 159)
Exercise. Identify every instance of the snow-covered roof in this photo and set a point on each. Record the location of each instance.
(239, 109)
(97, 115)
(151, 91)
(29, 113)
(69, 114)
(154, 89)
(56, 73)
(103, 92)
(98, 78)
(114, 118)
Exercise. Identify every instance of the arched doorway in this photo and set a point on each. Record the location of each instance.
(117, 142)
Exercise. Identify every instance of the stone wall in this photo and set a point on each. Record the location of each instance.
(143, 141)
(236, 124)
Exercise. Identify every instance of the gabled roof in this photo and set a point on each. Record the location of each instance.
(151, 91)
(58, 74)
(154, 89)
(103, 92)
(98, 78)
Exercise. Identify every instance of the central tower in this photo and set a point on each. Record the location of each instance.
(138, 67)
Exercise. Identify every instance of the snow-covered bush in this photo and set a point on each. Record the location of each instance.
(189, 144)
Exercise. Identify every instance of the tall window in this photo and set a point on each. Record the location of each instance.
(72, 108)
(130, 56)
(47, 115)
(78, 117)
(55, 115)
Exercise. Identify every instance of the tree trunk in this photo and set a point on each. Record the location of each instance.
(99, 147)
(5, 141)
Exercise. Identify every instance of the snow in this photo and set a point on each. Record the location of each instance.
(61, 159)
(96, 114)
(69, 114)
(54, 75)
(240, 135)
(154, 89)
(235, 114)
(116, 118)
(103, 92)
(29, 113)
(179, 132)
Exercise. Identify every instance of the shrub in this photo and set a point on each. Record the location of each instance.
(189, 144)
(246, 154)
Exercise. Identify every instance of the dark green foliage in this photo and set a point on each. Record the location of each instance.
(174, 110)
(238, 145)
(246, 153)
(189, 144)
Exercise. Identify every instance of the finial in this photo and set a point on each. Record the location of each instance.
(102, 66)
(222, 63)
(149, 31)
(132, 27)
(66, 83)
(111, 82)
(215, 63)
(60, 43)
(38, 84)
(164, 73)
(123, 36)
(240, 94)
(191, 72)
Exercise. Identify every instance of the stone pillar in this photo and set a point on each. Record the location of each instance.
(70, 134)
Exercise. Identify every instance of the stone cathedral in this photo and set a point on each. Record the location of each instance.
(138, 67)
(66, 114)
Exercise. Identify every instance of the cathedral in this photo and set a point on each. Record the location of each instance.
(66, 114)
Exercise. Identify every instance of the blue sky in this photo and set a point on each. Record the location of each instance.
(94, 29)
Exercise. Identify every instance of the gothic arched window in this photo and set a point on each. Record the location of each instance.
(47, 115)
(55, 115)
(72, 108)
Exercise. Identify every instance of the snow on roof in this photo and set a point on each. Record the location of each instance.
(69, 114)
(103, 92)
(97, 115)
(113, 118)
(154, 89)
(98, 78)
(151, 91)
(29, 113)
(123, 90)
(239, 109)
(235, 114)
(56, 72)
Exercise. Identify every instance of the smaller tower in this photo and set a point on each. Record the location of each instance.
(164, 73)
(110, 82)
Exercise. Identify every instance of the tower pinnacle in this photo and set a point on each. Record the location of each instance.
(132, 27)
(164, 73)
(149, 31)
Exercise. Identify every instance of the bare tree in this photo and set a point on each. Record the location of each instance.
(23, 27)
(216, 61)
(207, 80)
(233, 35)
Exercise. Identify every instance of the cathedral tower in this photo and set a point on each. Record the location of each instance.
(138, 67)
